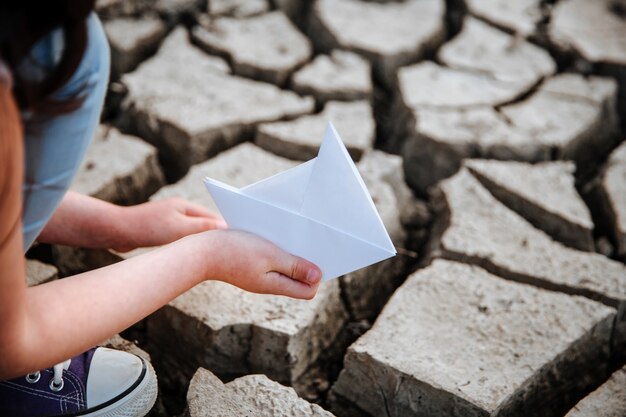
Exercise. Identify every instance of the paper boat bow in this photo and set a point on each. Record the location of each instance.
(319, 210)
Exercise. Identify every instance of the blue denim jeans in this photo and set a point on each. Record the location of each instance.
(54, 148)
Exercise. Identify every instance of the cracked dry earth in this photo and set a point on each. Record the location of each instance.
(490, 134)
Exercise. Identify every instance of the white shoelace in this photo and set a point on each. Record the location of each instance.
(58, 371)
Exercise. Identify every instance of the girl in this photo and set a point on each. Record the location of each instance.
(54, 64)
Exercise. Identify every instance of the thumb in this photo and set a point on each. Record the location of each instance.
(296, 277)
(280, 284)
(300, 269)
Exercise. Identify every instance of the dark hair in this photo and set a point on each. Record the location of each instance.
(22, 24)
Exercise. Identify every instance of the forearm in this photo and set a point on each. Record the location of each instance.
(91, 223)
(47, 324)
(65, 317)
(85, 222)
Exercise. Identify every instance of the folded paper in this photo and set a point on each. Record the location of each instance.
(319, 210)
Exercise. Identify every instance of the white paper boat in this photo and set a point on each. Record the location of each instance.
(319, 210)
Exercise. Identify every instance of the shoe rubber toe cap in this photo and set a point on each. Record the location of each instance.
(111, 374)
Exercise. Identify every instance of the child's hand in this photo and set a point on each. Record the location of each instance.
(256, 265)
(157, 223)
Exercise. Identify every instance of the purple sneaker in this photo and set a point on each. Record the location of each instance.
(100, 382)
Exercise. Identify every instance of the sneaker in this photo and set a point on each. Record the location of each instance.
(100, 382)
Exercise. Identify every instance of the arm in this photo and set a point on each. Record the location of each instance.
(43, 325)
(92, 223)
(46, 324)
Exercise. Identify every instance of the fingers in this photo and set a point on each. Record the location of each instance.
(216, 223)
(211, 220)
(202, 224)
(196, 210)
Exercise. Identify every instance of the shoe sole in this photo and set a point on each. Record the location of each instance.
(136, 403)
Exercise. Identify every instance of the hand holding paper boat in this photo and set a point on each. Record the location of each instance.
(319, 210)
